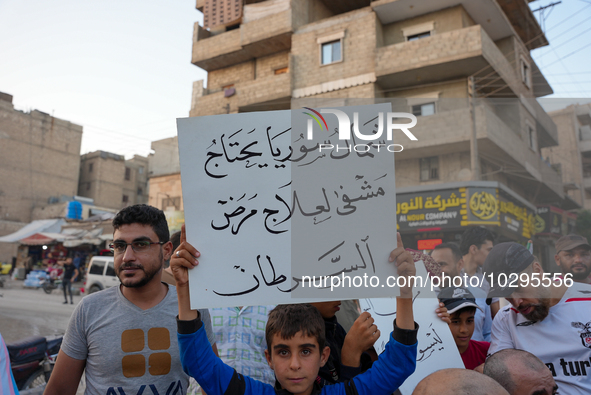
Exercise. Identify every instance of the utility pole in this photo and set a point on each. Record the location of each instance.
(474, 158)
(542, 11)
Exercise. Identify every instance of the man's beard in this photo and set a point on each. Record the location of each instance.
(579, 276)
(148, 276)
(539, 312)
(541, 309)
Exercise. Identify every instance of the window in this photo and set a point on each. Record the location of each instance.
(140, 191)
(423, 109)
(525, 72)
(125, 199)
(88, 186)
(429, 168)
(331, 52)
(417, 32)
(140, 170)
(531, 136)
(418, 36)
(97, 267)
(127, 174)
(110, 270)
(331, 48)
(171, 202)
(90, 166)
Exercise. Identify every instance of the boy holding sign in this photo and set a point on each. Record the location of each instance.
(296, 343)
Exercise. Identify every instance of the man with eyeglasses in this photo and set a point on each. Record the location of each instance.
(125, 336)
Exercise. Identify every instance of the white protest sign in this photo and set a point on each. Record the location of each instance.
(436, 347)
(264, 217)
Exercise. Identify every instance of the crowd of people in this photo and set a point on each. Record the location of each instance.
(143, 337)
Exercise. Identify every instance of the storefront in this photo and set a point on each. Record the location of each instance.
(429, 215)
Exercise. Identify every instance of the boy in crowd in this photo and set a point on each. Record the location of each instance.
(461, 306)
(296, 343)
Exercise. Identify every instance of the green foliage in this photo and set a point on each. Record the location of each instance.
(584, 224)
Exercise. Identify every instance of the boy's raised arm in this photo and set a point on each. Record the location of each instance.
(406, 268)
(183, 259)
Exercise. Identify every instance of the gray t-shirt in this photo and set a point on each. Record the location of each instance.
(128, 350)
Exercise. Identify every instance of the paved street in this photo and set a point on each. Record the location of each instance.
(27, 312)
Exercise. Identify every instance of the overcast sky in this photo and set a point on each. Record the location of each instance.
(122, 68)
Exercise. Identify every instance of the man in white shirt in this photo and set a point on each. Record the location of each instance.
(550, 319)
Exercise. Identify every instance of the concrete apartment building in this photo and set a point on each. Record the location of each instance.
(39, 162)
(164, 174)
(113, 182)
(165, 181)
(425, 57)
(573, 154)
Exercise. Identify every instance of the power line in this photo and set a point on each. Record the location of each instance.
(557, 74)
(528, 42)
(565, 42)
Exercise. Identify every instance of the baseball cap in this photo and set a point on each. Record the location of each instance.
(505, 258)
(456, 298)
(569, 242)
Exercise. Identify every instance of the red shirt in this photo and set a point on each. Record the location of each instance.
(475, 354)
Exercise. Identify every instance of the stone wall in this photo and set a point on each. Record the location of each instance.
(101, 178)
(39, 159)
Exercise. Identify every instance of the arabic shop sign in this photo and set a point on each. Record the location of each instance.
(428, 210)
(454, 208)
(484, 204)
(516, 217)
(551, 220)
(482, 207)
(488, 207)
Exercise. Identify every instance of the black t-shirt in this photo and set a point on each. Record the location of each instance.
(69, 271)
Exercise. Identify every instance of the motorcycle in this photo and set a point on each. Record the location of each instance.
(49, 284)
(32, 360)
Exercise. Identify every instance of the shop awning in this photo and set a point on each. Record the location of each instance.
(79, 242)
(42, 225)
(80, 237)
(44, 238)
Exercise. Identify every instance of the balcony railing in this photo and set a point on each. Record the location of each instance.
(257, 38)
(498, 128)
(443, 57)
(260, 94)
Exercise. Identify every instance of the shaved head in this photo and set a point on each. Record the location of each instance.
(458, 382)
(520, 372)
